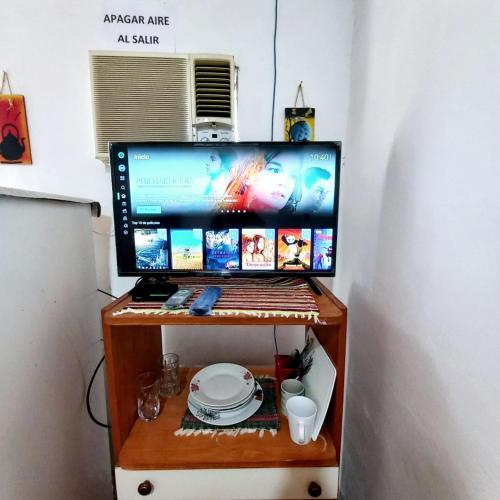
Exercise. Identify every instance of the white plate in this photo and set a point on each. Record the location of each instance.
(225, 407)
(225, 410)
(222, 385)
(214, 417)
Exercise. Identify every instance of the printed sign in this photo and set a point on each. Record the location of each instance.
(147, 26)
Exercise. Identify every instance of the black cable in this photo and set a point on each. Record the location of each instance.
(106, 293)
(274, 81)
(87, 398)
(89, 409)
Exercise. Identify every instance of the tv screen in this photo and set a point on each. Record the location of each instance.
(225, 208)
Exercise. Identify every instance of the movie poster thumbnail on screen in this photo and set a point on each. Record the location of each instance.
(323, 250)
(222, 247)
(151, 249)
(294, 249)
(187, 249)
(257, 246)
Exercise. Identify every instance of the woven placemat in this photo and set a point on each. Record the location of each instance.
(266, 418)
(263, 298)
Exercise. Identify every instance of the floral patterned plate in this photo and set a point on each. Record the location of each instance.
(221, 385)
(227, 408)
(222, 418)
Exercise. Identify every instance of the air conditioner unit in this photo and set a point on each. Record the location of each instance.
(161, 97)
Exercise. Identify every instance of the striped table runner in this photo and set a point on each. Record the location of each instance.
(274, 297)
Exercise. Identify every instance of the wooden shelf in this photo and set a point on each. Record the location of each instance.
(133, 345)
(153, 445)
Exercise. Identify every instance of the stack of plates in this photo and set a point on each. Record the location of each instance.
(224, 394)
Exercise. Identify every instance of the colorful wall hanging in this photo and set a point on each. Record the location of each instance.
(14, 136)
(299, 122)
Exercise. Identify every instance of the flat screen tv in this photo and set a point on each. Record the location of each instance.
(225, 208)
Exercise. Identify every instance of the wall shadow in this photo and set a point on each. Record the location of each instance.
(395, 406)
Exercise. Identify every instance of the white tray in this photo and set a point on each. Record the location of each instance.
(319, 381)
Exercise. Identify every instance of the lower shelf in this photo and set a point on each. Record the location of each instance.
(153, 445)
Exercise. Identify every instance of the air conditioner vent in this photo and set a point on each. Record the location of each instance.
(138, 98)
(212, 88)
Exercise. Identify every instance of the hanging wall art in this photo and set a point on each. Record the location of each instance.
(14, 136)
(299, 122)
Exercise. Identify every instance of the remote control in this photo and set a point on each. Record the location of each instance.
(202, 306)
(178, 299)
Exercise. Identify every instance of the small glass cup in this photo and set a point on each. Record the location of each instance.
(148, 396)
(170, 384)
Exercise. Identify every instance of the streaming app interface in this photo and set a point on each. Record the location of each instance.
(233, 208)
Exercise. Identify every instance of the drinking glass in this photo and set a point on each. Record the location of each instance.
(148, 396)
(169, 380)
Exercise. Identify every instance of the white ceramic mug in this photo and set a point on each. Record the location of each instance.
(289, 388)
(301, 416)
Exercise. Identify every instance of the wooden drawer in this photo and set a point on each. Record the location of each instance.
(228, 484)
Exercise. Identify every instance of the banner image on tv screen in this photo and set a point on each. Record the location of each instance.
(220, 208)
(181, 180)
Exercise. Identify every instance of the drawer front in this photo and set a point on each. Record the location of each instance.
(228, 484)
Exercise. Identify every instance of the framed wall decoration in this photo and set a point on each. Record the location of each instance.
(14, 136)
(299, 122)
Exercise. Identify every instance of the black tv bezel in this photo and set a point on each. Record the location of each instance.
(227, 273)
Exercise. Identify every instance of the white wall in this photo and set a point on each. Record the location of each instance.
(420, 243)
(48, 63)
(51, 343)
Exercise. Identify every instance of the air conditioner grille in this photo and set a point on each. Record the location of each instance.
(212, 88)
(140, 99)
